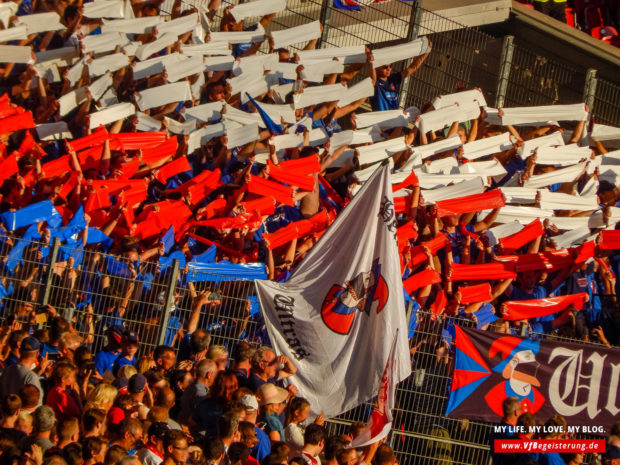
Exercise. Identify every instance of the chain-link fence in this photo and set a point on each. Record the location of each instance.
(159, 300)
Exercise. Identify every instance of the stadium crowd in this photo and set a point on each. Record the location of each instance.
(155, 140)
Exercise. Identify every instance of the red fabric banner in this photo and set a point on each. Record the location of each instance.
(177, 166)
(129, 168)
(301, 166)
(214, 208)
(97, 137)
(245, 220)
(90, 158)
(8, 166)
(405, 233)
(402, 205)
(526, 309)
(56, 167)
(139, 140)
(69, 185)
(421, 279)
(550, 260)
(584, 252)
(474, 272)
(30, 147)
(16, 122)
(159, 152)
(610, 239)
(471, 203)
(289, 176)
(477, 293)
(519, 239)
(264, 187)
(417, 252)
(440, 302)
(229, 251)
(263, 205)
(409, 180)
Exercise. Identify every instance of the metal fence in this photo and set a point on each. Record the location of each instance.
(156, 300)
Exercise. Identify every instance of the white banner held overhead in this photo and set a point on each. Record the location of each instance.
(338, 314)
(297, 34)
(257, 8)
(389, 55)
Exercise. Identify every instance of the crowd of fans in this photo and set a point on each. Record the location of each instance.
(234, 174)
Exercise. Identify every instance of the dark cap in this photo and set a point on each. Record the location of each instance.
(120, 383)
(136, 384)
(30, 344)
(131, 337)
(116, 332)
(158, 429)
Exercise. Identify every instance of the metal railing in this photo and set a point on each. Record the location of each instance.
(94, 290)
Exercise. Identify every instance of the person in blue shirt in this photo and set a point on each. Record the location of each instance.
(105, 358)
(129, 343)
(387, 83)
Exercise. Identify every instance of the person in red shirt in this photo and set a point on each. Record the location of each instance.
(64, 397)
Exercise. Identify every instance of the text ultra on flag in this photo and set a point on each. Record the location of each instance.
(337, 316)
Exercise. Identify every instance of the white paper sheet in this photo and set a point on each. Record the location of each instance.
(444, 117)
(178, 26)
(239, 37)
(318, 70)
(162, 42)
(519, 195)
(98, 87)
(111, 114)
(564, 155)
(384, 119)
(530, 146)
(287, 141)
(241, 117)
(567, 174)
(380, 150)
(74, 73)
(71, 100)
(487, 146)
(257, 8)
(147, 68)
(41, 22)
(388, 55)
(492, 168)
(561, 201)
(253, 64)
(163, 95)
(503, 230)
(176, 127)
(65, 56)
(99, 43)
(451, 143)
(566, 223)
(147, 123)
(14, 33)
(107, 64)
(16, 54)
(210, 48)
(206, 112)
(184, 68)
(523, 115)
(357, 91)
(603, 133)
(296, 34)
(54, 131)
(219, 63)
(441, 166)
(434, 181)
(349, 137)
(365, 174)
(284, 71)
(7, 11)
(47, 71)
(108, 99)
(319, 94)
(572, 238)
(132, 25)
(105, 9)
(279, 112)
(242, 135)
(318, 136)
(524, 215)
(461, 189)
(462, 98)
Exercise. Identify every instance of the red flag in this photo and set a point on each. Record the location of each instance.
(97, 137)
(16, 122)
(525, 309)
(421, 279)
(610, 239)
(139, 140)
(478, 293)
(264, 187)
(409, 180)
(157, 153)
(174, 167)
(474, 272)
(519, 239)
(291, 177)
(471, 203)
(56, 167)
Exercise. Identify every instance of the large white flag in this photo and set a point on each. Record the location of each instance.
(380, 422)
(337, 316)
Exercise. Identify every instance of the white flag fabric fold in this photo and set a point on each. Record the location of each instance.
(383, 119)
(357, 91)
(519, 195)
(7, 11)
(41, 22)
(147, 123)
(242, 135)
(177, 127)
(346, 55)
(602, 133)
(567, 174)
(184, 68)
(107, 64)
(16, 54)
(563, 155)
(572, 238)
(203, 135)
(54, 131)
(48, 72)
(523, 115)
(296, 34)
(319, 94)
(313, 318)
(65, 56)
(560, 201)
(239, 37)
(364, 175)
(445, 116)
(319, 69)
(487, 146)
(566, 223)
(433, 181)
(523, 215)
(349, 137)
(206, 112)
(550, 140)
(14, 33)
(503, 230)
(451, 143)
(242, 117)
(220, 63)
(491, 168)
(152, 66)
(111, 114)
(163, 95)
(98, 87)
(441, 166)
(473, 95)
(279, 112)
(461, 189)
(105, 9)
(71, 100)
(75, 72)
(254, 63)
(284, 71)
(178, 26)
(381, 150)
(287, 141)
(99, 43)
(388, 55)
(257, 8)
(146, 50)
(132, 25)
(210, 48)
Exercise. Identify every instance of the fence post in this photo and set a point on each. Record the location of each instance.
(415, 21)
(169, 301)
(326, 14)
(50, 272)
(589, 89)
(504, 71)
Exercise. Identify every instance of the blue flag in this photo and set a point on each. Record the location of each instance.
(274, 128)
(350, 5)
